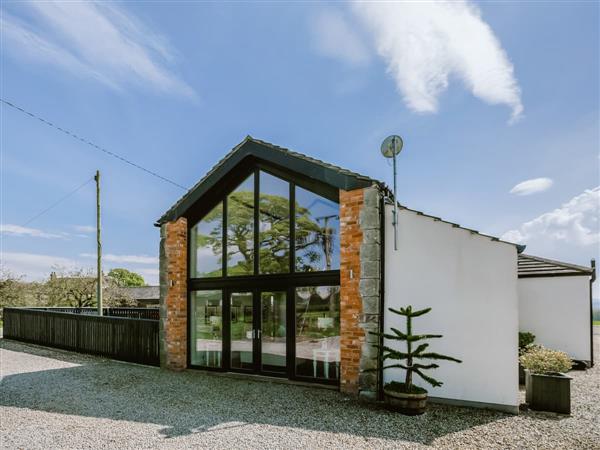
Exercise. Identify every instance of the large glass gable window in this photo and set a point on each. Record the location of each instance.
(266, 234)
(264, 279)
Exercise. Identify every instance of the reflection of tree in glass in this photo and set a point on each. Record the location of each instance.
(314, 237)
(274, 234)
(240, 232)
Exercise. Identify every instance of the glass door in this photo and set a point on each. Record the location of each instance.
(258, 332)
(273, 332)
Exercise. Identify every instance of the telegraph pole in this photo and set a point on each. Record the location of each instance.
(99, 241)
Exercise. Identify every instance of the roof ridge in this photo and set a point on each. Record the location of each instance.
(343, 175)
(309, 158)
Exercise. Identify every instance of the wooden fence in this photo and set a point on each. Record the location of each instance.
(132, 313)
(126, 339)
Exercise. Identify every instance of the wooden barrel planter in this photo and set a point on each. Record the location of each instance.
(409, 404)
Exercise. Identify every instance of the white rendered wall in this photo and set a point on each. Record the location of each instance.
(470, 282)
(557, 311)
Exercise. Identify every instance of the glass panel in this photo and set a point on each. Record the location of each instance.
(241, 330)
(240, 229)
(318, 332)
(317, 232)
(207, 328)
(274, 226)
(273, 331)
(207, 245)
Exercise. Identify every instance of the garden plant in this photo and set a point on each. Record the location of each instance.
(409, 360)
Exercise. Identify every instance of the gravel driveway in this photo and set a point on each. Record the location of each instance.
(55, 399)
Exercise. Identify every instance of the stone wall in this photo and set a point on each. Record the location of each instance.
(360, 290)
(173, 295)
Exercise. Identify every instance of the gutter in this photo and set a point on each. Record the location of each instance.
(381, 292)
(592, 279)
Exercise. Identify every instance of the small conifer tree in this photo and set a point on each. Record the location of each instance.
(414, 350)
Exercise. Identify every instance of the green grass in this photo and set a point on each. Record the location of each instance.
(597, 322)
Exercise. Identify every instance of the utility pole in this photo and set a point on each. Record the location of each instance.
(99, 241)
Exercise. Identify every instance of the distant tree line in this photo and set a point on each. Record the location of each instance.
(71, 288)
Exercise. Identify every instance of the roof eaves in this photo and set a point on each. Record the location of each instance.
(173, 210)
(559, 266)
(520, 247)
(222, 161)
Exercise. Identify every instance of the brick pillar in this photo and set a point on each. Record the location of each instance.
(360, 278)
(351, 335)
(173, 294)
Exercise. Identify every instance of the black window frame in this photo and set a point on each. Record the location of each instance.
(258, 282)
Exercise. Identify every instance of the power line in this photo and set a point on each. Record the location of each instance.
(57, 202)
(91, 144)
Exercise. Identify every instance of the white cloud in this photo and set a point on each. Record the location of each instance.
(98, 40)
(34, 266)
(84, 228)
(574, 223)
(426, 43)
(25, 43)
(333, 36)
(532, 186)
(17, 230)
(135, 259)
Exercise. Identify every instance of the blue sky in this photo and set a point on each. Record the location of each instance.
(485, 95)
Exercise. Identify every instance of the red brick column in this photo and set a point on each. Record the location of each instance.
(352, 335)
(173, 295)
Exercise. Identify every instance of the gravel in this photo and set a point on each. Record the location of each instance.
(55, 399)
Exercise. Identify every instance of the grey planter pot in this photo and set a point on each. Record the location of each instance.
(548, 392)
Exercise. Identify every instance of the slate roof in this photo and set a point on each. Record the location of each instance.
(142, 292)
(534, 266)
(327, 173)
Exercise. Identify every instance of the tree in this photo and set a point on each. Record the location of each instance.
(411, 367)
(126, 278)
(11, 289)
(77, 288)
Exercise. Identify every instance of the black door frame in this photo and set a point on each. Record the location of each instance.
(256, 332)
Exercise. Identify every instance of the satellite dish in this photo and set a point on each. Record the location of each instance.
(391, 146)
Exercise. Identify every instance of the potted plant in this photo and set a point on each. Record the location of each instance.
(406, 397)
(547, 388)
(526, 340)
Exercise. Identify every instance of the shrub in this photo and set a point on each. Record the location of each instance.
(414, 351)
(525, 341)
(542, 360)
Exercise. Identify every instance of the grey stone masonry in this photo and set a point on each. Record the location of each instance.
(163, 279)
(370, 289)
